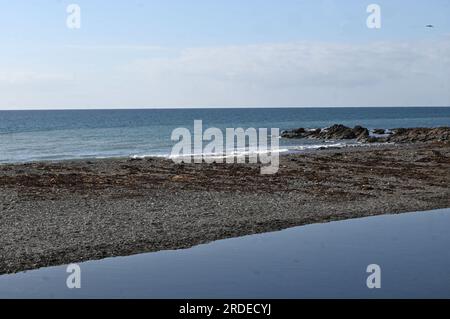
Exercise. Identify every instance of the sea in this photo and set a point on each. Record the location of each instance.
(54, 135)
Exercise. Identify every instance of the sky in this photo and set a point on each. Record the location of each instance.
(223, 53)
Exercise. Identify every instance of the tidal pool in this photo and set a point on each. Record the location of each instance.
(314, 261)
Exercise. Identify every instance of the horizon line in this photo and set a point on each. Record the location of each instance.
(214, 107)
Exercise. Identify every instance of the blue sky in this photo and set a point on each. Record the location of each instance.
(180, 53)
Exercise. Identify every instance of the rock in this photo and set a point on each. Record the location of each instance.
(335, 132)
(361, 134)
(339, 132)
(316, 133)
(436, 153)
(300, 133)
(373, 139)
(414, 135)
(399, 130)
(181, 178)
(292, 134)
(358, 130)
(379, 131)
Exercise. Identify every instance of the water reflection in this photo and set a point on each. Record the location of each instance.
(328, 260)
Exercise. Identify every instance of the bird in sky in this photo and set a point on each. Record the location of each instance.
(429, 26)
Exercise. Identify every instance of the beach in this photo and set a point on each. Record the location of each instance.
(54, 213)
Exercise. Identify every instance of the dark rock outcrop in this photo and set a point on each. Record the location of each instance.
(362, 134)
(379, 131)
(335, 132)
(413, 135)
(339, 132)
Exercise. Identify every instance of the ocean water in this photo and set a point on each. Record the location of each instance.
(76, 134)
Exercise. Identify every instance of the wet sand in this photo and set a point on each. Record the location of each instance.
(73, 211)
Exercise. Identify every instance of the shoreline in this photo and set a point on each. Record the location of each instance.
(319, 147)
(54, 213)
(132, 157)
(361, 218)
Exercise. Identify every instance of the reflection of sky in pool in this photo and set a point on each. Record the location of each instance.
(326, 260)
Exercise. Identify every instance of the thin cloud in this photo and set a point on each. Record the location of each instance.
(283, 74)
(115, 47)
(298, 64)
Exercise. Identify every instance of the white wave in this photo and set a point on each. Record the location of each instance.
(317, 146)
(256, 151)
(148, 156)
(234, 153)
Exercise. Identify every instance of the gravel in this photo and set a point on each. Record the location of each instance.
(73, 211)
